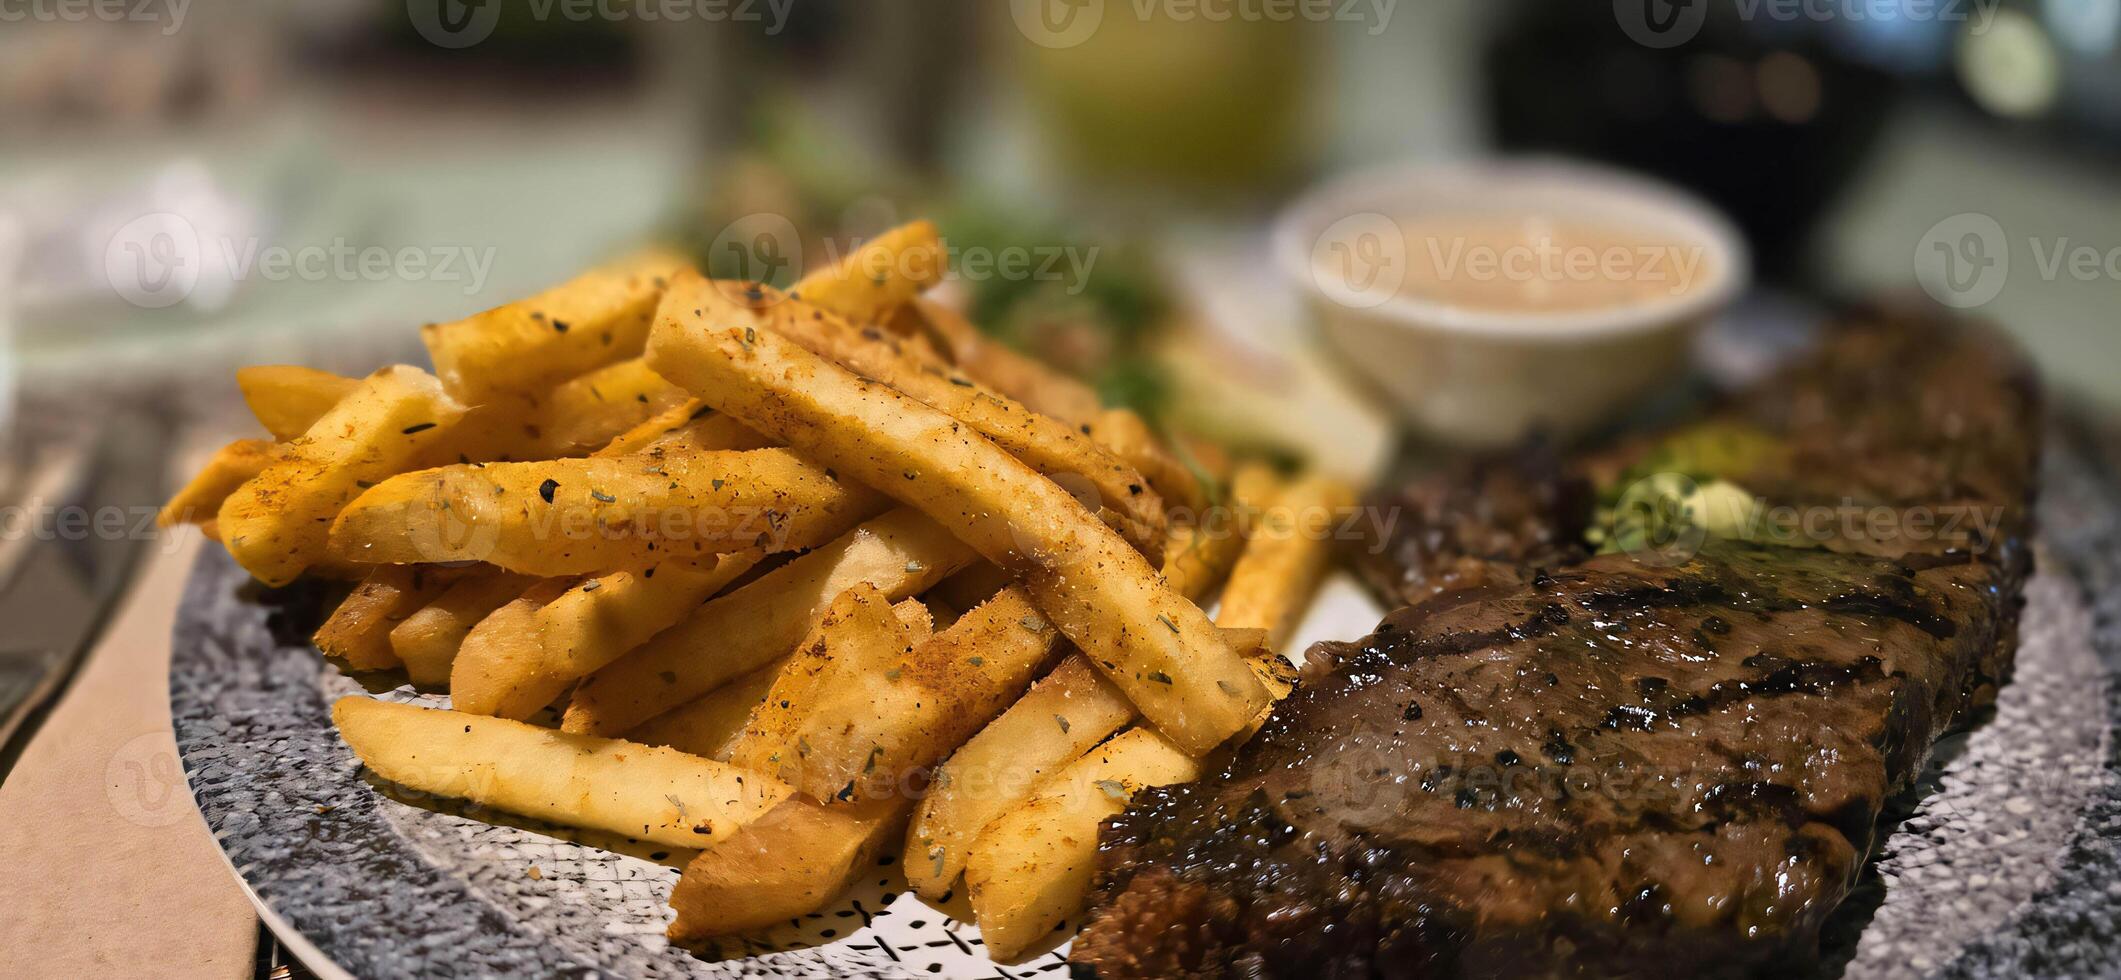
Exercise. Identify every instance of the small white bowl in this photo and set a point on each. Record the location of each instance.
(1483, 377)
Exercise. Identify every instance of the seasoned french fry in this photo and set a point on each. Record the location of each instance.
(862, 720)
(571, 329)
(1124, 434)
(688, 426)
(278, 523)
(1050, 446)
(880, 276)
(782, 866)
(858, 631)
(358, 632)
(1158, 647)
(1197, 556)
(199, 501)
(506, 643)
(1284, 559)
(901, 553)
(427, 641)
(1042, 389)
(709, 726)
(586, 413)
(288, 398)
(1031, 868)
(586, 627)
(1059, 719)
(653, 794)
(575, 516)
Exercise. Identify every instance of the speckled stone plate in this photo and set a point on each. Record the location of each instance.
(2006, 860)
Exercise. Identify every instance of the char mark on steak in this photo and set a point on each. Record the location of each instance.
(1601, 766)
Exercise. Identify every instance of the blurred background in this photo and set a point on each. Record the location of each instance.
(344, 170)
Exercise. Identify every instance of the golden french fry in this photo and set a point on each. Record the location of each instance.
(901, 553)
(506, 644)
(278, 523)
(571, 329)
(587, 412)
(781, 866)
(1031, 868)
(880, 276)
(358, 632)
(864, 719)
(1197, 556)
(687, 427)
(427, 640)
(709, 726)
(1123, 433)
(1059, 719)
(576, 516)
(1284, 559)
(1157, 646)
(1042, 389)
(652, 794)
(1050, 446)
(288, 398)
(859, 631)
(199, 501)
(586, 627)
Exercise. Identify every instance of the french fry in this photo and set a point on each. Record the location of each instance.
(861, 720)
(653, 794)
(586, 413)
(1031, 868)
(1040, 388)
(782, 866)
(199, 501)
(1284, 559)
(1048, 445)
(858, 631)
(278, 523)
(569, 330)
(709, 726)
(427, 641)
(577, 516)
(1059, 719)
(1124, 434)
(505, 643)
(1154, 644)
(685, 427)
(358, 632)
(880, 276)
(901, 553)
(287, 398)
(1197, 556)
(586, 627)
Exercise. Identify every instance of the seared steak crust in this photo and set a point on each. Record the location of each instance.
(1612, 767)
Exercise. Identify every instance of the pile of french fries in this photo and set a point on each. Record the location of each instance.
(808, 575)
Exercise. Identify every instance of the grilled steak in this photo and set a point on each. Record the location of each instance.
(1618, 766)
